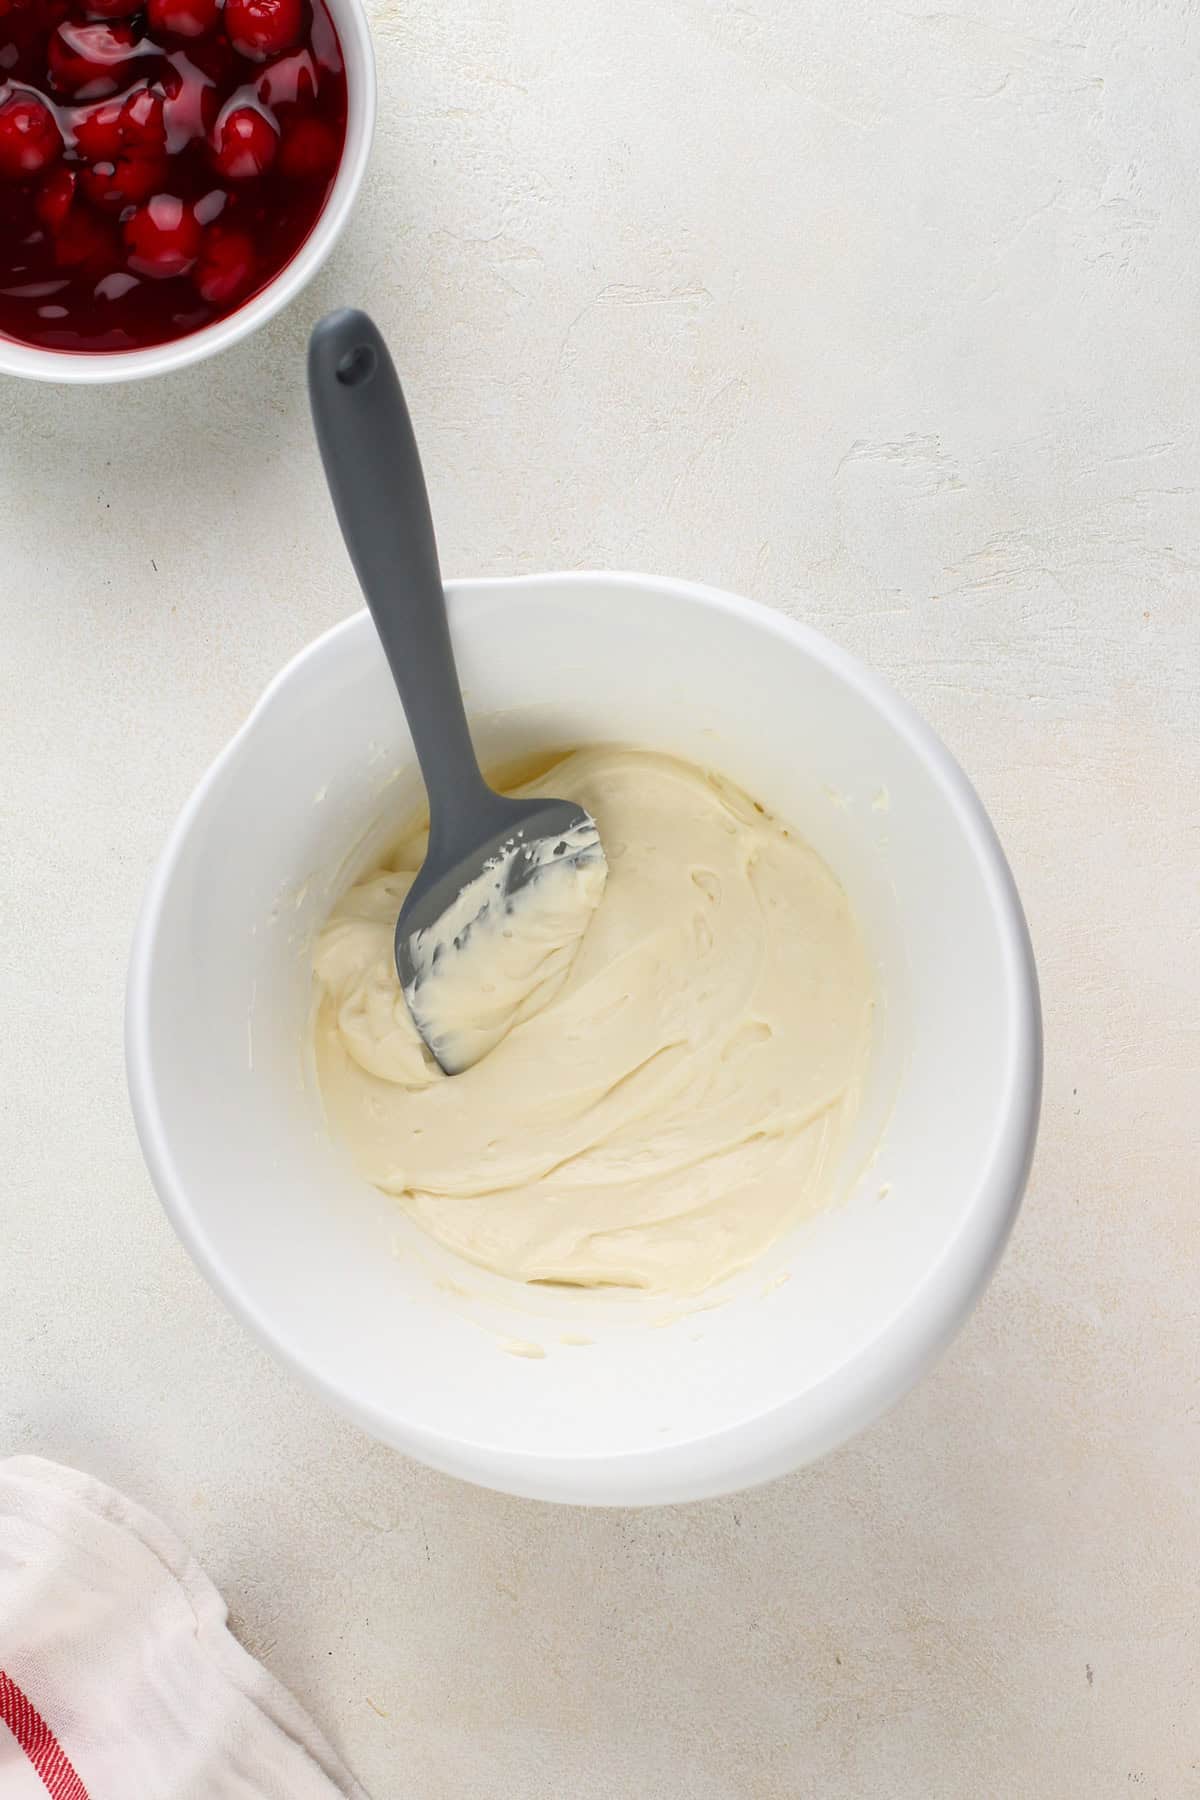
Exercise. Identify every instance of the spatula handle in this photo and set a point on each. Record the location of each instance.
(374, 473)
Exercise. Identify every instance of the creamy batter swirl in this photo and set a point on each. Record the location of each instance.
(679, 1100)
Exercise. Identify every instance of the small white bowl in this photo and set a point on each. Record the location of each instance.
(664, 1402)
(100, 366)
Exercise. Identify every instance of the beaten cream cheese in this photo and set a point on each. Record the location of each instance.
(681, 1097)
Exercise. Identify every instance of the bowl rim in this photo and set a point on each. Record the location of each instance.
(78, 368)
(825, 1414)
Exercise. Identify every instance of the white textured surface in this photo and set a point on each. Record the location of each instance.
(887, 316)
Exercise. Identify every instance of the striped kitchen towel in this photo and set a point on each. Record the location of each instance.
(119, 1678)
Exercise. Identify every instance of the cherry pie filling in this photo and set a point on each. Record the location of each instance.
(160, 160)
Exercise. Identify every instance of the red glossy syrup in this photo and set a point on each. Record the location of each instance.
(160, 160)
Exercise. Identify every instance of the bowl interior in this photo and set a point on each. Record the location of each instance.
(665, 1400)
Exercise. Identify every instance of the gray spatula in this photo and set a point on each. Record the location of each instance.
(478, 839)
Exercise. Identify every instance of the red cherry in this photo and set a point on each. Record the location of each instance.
(182, 18)
(244, 144)
(111, 9)
(29, 137)
(293, 78)
(136, 124)
(85, 242)
(189, 107)
(226, 266)
(162, 238)
(98, 130)
(91, 60)
(143, 126)
(113, 186)
(262, 28)
(309, 149)
(54, 197)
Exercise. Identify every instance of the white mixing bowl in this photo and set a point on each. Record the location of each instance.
(663, 1402)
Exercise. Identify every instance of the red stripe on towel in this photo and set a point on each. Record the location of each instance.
(39, 1743)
